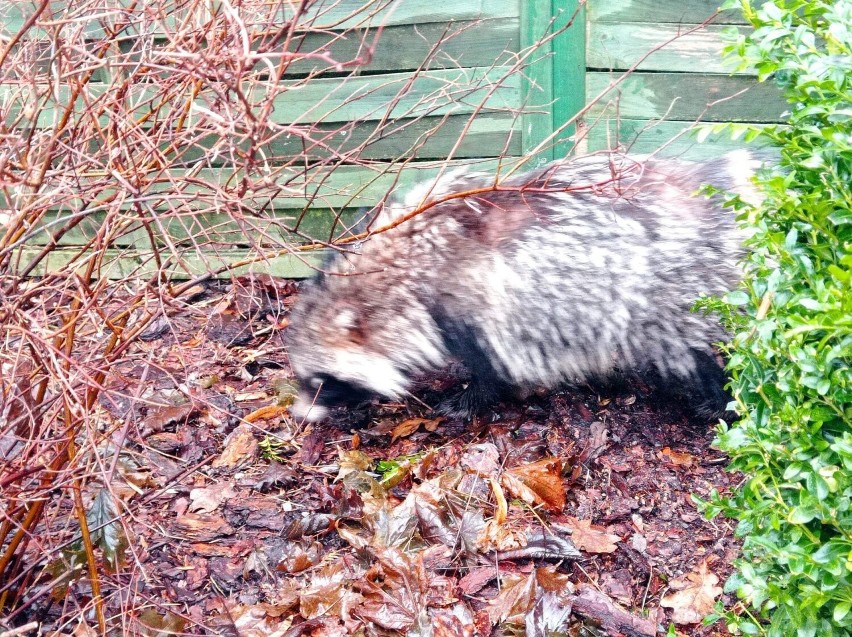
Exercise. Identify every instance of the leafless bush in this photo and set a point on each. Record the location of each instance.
(145, 146)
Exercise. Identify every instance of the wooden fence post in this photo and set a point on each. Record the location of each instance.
(554, 84)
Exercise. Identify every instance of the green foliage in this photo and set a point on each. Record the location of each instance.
(272, 449)
(790, 357)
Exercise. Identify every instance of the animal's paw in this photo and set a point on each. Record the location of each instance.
(467, 403)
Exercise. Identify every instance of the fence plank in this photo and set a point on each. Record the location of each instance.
(339, 14)
(617, 46)
(210, 230)
(321, 14)
(657, 11)
(686, 96)
(334, 187)
(408, 47)
(394, 95)
(670, 138)
(397, 48)
(455, 136)
(569, 70)
(120, 264)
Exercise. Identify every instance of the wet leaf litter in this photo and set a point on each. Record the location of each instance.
(570, 512)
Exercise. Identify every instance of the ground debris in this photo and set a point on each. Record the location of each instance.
(569, 509)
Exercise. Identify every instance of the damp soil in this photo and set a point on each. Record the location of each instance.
(390, 520)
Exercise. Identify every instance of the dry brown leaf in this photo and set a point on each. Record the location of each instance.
(695, 599)
(502, 508)
(678, 458)
(591, 538)
(482, 459)
(515, 600)
(160, 416)
(208, 499)
(432, 424)
(518, 489)
(353, 461)
(456, 621)
(328, 593)
(477, 578)
(239, 447)
(266, 413)
(167, 442)
(297, 557)
(203, 528)
(83, 630)
(499, 538)
(246, 396)
(195, 341)
(538, 483)
(406, 428)
(313, 444)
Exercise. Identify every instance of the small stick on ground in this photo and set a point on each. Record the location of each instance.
(616, 621)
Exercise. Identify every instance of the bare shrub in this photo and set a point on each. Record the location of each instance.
(144, 147)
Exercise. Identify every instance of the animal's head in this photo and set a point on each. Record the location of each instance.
(351, 338)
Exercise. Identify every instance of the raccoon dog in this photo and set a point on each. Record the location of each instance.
(565, 274)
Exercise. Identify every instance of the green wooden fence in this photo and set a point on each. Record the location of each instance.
(679, 77)
(502, 79)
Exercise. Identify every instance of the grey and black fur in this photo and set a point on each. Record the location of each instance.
(562, 275)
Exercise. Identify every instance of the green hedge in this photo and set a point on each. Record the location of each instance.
(791, 354)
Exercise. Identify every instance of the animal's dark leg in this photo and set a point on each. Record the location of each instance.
(470, 401)
(486, 385)
(705, 389)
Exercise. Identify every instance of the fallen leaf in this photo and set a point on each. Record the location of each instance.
(482, 459)
(203, 528)
(328, 593)
(538, 483)
(240, 446)
(432, 424)
(266, 413)
(695, 596)
(678, 458)
(476, 579)
(613, 620)
(552, 610)
(434, 524)
(543, 546)
(502, 508)
(398, 598)
(277, 474)
(166, 442)
(247, 396)
(590, 538)
(598, 434)
(515, 600)
(453, 622)
(297, 557)
(208, 499)
(162, 415)
(312, 447)
(499, 537)
(353, 461)
(165, 624)
(408, 427)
